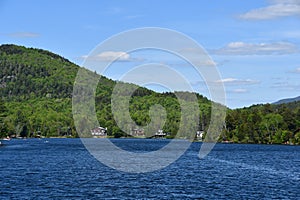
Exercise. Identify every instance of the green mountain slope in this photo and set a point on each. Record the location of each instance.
(29, 73)
(267, 124)
(36, 89)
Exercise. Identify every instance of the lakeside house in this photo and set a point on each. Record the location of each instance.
(160, 134)
(199, 135)
(137, 132)
(99, 132)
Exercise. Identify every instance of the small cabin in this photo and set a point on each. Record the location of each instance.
(137, 132)
(99, 132)
(199, 135)
(161, 133)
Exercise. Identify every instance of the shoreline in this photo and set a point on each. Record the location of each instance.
(124, 138)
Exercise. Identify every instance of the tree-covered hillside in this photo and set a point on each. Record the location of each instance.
(267, 124)
(36, 88)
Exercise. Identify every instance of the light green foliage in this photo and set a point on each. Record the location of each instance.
(36, 88)
(266, 124)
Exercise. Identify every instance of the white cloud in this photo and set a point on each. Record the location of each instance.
(23, 34)
(286, 86)
(297, 70)
(226, 80)
(285, 1)
(112, 55)
(239, 90)
(197, 56)
(235, 81)
(294, 71)
(109, 56)
(207, 63)
(279, 8)
(241, 48)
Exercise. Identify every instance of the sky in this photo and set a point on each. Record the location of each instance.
(255, 44)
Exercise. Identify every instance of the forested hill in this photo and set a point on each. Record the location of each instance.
(265, 123)
(36, 89)
(29, 73)
(35, 73)
(288, 100)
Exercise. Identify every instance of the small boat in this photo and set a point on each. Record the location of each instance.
(7, 138)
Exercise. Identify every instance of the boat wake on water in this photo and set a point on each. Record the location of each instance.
(264, 169)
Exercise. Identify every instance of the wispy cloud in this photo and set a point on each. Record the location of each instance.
(242, 48)
(197, 56)
(286, 86)
(23, 35)
(239, 91)
(113, 56)
(229, 82)
(279, 8)
(235, 81)
(296, 71)
(109, 56)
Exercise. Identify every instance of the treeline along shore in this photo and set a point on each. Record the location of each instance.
(36, 89)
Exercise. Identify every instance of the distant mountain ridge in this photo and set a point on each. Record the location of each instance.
(288, 100)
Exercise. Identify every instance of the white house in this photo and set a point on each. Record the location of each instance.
(99, 131)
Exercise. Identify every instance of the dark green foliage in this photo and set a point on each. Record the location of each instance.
(3, 115)
(31, 73)
(267, 124)
(36, 88)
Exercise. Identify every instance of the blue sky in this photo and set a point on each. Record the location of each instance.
(255, 44)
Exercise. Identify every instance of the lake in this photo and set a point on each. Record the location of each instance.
(64, 169)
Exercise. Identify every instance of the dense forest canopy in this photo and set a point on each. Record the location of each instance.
(36, 89)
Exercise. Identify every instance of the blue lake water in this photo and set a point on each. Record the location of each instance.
(64, 169)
